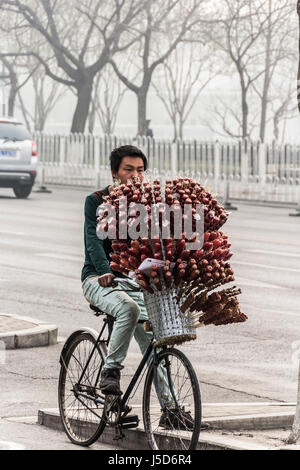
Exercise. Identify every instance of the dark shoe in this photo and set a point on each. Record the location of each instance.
(176, 419)
(204, 426)
(110, 381)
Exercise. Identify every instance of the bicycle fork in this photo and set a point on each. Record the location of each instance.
(163, 383)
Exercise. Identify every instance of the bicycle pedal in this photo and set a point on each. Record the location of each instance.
(130, 421)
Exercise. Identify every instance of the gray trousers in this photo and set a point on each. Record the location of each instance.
(127, 307)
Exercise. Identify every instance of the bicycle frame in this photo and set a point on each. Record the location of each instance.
(109, 322)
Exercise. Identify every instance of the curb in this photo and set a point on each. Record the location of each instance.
(252, 422)
(42, 334)
(260, 203)
(233, 200)
(135, 439)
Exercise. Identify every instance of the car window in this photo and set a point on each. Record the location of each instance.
(9, 130)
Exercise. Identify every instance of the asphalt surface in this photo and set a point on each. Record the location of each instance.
(41, 257)
(25, 434)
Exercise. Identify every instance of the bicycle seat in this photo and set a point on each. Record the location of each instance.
(97, 311)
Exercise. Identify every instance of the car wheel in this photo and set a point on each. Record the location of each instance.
(22, 192)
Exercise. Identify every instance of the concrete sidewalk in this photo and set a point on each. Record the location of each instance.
(25, 332)
(232, 426)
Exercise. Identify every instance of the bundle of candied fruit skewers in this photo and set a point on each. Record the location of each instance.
(191, 273)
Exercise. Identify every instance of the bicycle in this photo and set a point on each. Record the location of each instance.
(171, 393)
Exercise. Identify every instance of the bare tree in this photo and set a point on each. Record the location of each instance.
(162, 27)
(109, 92)
(11, 78)
(82, 35)
(184, 75)
(256, 39)
(283, 104)
(236, 32)
(46, 95)
(225, 118)
(277, 48)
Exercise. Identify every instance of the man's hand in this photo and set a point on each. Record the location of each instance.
(106, 280)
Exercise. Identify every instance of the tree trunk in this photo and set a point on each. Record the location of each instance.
(12, 100)
(84, 95)
(92, 117)
(92, 113)
(42, 122)
(263, 119)
(24, 112)
(181, 124)
(109, 125)
(245, 114)
(13, 88)
(174, 119)
(245, 110)
(142, 109)
(276, 128)
(265, 95)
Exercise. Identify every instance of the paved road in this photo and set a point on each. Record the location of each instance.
(25, 434)
(41, 257)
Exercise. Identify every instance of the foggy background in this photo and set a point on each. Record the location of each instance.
(231, 61)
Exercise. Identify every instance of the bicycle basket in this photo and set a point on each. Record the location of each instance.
(168, 324)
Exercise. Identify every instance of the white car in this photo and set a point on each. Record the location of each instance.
(18, 158)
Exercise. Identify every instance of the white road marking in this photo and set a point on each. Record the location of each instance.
(251, 283)
(250, 403)
(61, 256)
(5, 232)
(61, 339)
(22, 419)
(9, 445)
(266, 266)
(272, 252)
(276, 312)
(38, 272)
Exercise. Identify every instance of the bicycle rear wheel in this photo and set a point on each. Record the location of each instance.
(172, 403)
(81, 405)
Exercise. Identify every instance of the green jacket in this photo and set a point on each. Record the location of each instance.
(96, 251)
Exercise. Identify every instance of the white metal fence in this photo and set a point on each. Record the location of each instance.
(251, 170)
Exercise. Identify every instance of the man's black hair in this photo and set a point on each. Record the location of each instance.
(119, 153)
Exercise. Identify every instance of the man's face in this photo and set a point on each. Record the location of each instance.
(130, 167)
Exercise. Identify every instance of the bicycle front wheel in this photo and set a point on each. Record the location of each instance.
(172, 403)
(80, 403)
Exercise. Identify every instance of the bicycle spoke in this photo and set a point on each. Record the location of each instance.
(82, 416)
(177, 425)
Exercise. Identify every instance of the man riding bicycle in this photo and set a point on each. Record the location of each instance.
(125, 305)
